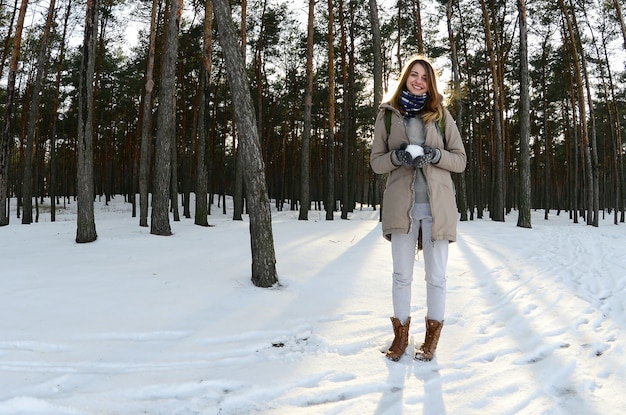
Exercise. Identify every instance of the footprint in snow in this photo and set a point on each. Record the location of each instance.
(529, 309)
(540, 353)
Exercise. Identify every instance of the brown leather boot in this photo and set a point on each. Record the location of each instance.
(400, 340)
(427, 349)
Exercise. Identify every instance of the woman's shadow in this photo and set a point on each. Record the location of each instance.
(428, 373)
(392, 400)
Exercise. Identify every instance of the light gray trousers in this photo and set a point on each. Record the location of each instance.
(403, 249)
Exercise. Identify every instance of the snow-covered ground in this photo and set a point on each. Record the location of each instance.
(141, 324)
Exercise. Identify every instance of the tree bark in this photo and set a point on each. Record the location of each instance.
(160, 224)
(523, 219)
(347, 116)
(583, 112)
(5, 146)
(305, 168)
(378, 90)
(202, 210)
(52, 189)
(546, 128)
(238, 192)
(9, 37)
(497, 208)
(457, 105)
(330, 162)
(262, 240)
(592, 219)
(620, 19)
(86, 226)
(145, 153)
(417, 16)
(614, 116)
(33, 116)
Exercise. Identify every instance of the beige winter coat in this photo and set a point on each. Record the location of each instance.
(398, 197)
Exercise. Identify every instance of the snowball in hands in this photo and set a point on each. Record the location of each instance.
(415, 150)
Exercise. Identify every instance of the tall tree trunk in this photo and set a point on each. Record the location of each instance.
(330, 163)
(378, 89)
(33, 116)
(620, 19)
(523, 219)
(258, 69)
(86, 225)
(378, 56)
(457, 105)
(7, 40)
(202, 210)
(52, 188)
(305, 168)
(238, 194)
(572, 140)
(614, 117)
(546, 131)
(160, 223)
(583, 112)
(145, 153)
(417, 16)
(174, 176)
(262, 240)
(5, 146)
(593, 146)
(497, 210)
(347, 116)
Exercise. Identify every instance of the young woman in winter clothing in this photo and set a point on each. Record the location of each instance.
(418, 143)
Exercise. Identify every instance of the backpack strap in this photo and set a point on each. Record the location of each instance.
(388, 121)
(442, 129)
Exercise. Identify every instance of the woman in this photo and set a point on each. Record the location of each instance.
(418, 143)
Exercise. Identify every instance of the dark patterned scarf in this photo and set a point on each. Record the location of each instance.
(411, 103)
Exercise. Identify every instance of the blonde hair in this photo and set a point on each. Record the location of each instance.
(433, 110)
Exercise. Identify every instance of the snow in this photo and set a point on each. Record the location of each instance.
(415, 150)
(141, 324)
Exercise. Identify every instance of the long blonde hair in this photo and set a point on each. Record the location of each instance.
(433, 110)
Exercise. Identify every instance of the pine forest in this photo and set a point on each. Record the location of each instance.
(144, 100)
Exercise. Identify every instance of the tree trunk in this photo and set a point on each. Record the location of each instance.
(86, 226)
(174, 176)
(52, 189)
(378, 86)
(497, 208)
(160, 224)
(330, 162)
(9, 37)
(583, 112)
(523, 219)
(238, 192)
(457, 104)
(305, 168)
(592, 163)
(262, 240)
(8, 114)
(546, 130)
(33, 116)
(347, 116)
(202, 210)
(620, 19)
(417, 16)
(145, 153)
(616, 142)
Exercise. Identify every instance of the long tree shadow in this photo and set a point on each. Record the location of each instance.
(507, 319)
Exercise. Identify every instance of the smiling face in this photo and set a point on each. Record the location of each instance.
(417, 81)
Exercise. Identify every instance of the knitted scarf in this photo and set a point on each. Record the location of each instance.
(411, 103)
